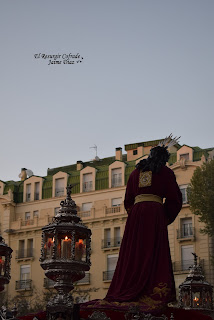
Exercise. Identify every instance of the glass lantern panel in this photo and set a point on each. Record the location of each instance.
(49, 243)
(65, 247)
(196, 299)
(186, 298)
(2, 265)
(207, 300)
(80, 249)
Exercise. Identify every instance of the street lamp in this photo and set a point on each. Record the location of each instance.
(195, 292)
(65, 256)
(5, 259)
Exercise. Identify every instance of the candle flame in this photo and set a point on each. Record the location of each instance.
(196, 299)
(66, 238)
(81, 241)
(53, 239)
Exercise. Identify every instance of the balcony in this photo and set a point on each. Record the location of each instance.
(24, 285)
(36, 222)
(183, 266)
(48, 283)
(28, 222)
(186, 233)
(87, 186)
(115, 209)
(84, 214)
(24, 254)
(59, 192)
(111, 243)
(85, 280)
(108, 275)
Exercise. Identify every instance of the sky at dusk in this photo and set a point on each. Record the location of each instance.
(147, 70)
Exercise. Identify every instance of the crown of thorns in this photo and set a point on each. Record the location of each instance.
(168, 141)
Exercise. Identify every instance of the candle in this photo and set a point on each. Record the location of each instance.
(66, 248)
(79, 249)
(50, 247)
(195, 301)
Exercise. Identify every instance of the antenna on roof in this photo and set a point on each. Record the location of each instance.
(96, 157)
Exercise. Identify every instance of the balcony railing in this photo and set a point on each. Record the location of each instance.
(87, 186)
(114, 209)
(24, 285)
(184, 233)
(111, 243)
(48, 283)
(59, 192)
(184, 265)
(36, 196)
(27, 222)
(85, 280)
(28, 196)
(84, 214)
(108, 275)
(25, 253)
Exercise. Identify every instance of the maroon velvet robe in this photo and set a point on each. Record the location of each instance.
(144, 269)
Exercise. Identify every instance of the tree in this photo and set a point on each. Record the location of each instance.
(27, 304)
(201, 196)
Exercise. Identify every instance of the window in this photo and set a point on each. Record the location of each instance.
(36, 213)
(184, 156)
(30, 248)
(134, 152)
(28, 192)
(117, 238)
(186, 227)
(59, 187)
(186, 257)
(111, 265)
(107, 238)
(25, 272)
(25, 277)
(36, 195)
(21, 250)
(27, 215)
(87, 182)
(116, 202)
(184, 193)
(86, 206)
(116, 177)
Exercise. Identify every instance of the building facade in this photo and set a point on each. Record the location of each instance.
(99, 189)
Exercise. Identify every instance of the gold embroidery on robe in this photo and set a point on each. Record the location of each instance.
(153, 304)
(145, 179)
(146, 302)
(161, 290)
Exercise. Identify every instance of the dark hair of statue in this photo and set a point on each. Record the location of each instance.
(157, 158)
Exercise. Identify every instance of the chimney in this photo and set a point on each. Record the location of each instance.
(118, 154)
(79, 165)
(23, 174)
